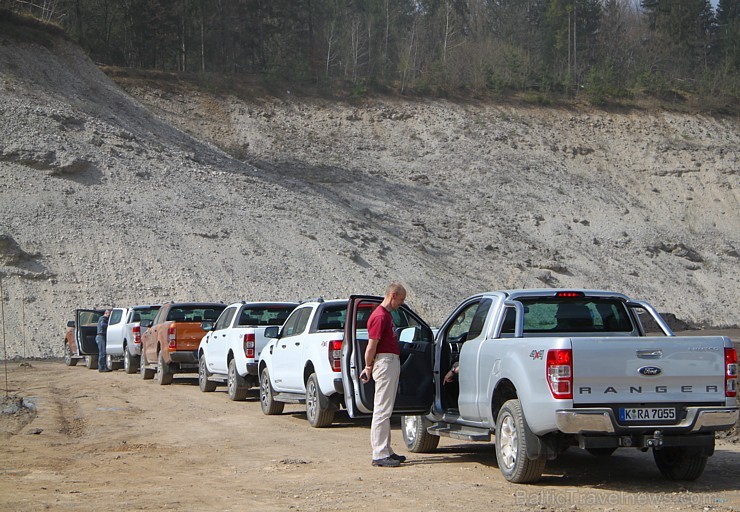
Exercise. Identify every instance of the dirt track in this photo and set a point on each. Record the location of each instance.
(114, 441)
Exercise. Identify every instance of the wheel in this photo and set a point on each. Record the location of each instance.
(236, 387)
(415, 435)
(164, 374)
(146, 372)
(91, 362)
(130, 362)
(205, 385)
(68, 359)
(511, 446)
(316, 415)
(601, 452)
(267, 401)
(680, 462)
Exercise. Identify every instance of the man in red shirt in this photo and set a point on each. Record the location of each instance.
(382, 358)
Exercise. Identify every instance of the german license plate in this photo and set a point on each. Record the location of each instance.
(647, 414)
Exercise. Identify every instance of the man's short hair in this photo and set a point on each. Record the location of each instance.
(395, 287)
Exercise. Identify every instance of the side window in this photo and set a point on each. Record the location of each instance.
(115, 316)
(458, 330)
(160, 315)
(332, 318)
(224, 320)
(403, 320)
(296, 323)
(479, 319)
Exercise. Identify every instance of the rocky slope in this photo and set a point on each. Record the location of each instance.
(168, 193)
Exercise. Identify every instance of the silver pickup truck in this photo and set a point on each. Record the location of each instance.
(543, 370)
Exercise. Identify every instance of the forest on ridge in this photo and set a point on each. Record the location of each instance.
(603, 50)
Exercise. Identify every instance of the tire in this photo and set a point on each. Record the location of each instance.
(317, 416)
(205, 385)
(511, 446)
(415, 435)
(680, 462)
(267, 401)
(91, 362)
(236, 387)
(69, 360)
(601, 452)
(164, 373)
(130, 362)
(146, 372)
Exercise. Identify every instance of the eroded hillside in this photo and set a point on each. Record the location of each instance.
(160, 193)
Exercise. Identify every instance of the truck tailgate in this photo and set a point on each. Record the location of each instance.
(648, 370)
(187, 335)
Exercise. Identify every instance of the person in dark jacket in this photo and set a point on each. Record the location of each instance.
(100, 339)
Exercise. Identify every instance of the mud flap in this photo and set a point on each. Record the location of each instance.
(540, 447)
(326, 403)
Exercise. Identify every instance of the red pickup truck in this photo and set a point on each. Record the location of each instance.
(170, 344)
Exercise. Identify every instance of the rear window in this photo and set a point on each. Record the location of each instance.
(557, 315)
(194, 313)
(144, 314)
(265, 315)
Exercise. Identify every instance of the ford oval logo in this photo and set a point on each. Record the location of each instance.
(649, 371)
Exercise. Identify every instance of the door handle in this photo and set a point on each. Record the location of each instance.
(650, 354)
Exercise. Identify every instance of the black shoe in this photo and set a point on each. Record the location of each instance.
(399, 458)
(105, 370)
(388, 462)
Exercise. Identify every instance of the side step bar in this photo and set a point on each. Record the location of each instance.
(290, 398)
(462, 432)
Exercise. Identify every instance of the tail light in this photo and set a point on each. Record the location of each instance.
(730, 372)
(249, 345)
(137, 334)
(172, 337)
(335, 355)
(560, 373)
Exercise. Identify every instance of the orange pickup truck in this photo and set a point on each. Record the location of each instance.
(170, 344)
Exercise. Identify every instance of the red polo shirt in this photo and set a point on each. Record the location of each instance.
(380, 327)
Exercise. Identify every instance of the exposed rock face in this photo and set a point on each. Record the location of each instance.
(113, 197)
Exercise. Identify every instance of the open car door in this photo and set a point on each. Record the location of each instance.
(415, 386)
(86, 327)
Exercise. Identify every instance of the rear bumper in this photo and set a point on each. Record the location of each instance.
(602, 421)
(184, 356)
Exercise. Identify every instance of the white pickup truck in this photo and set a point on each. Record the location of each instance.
(544, 370)
(301, 363)
(124, 336)
(230, 350)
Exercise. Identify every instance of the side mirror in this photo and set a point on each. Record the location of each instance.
(208, 325)
(146, 323)
(71, 323)
(407, 335)
(272, 331)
